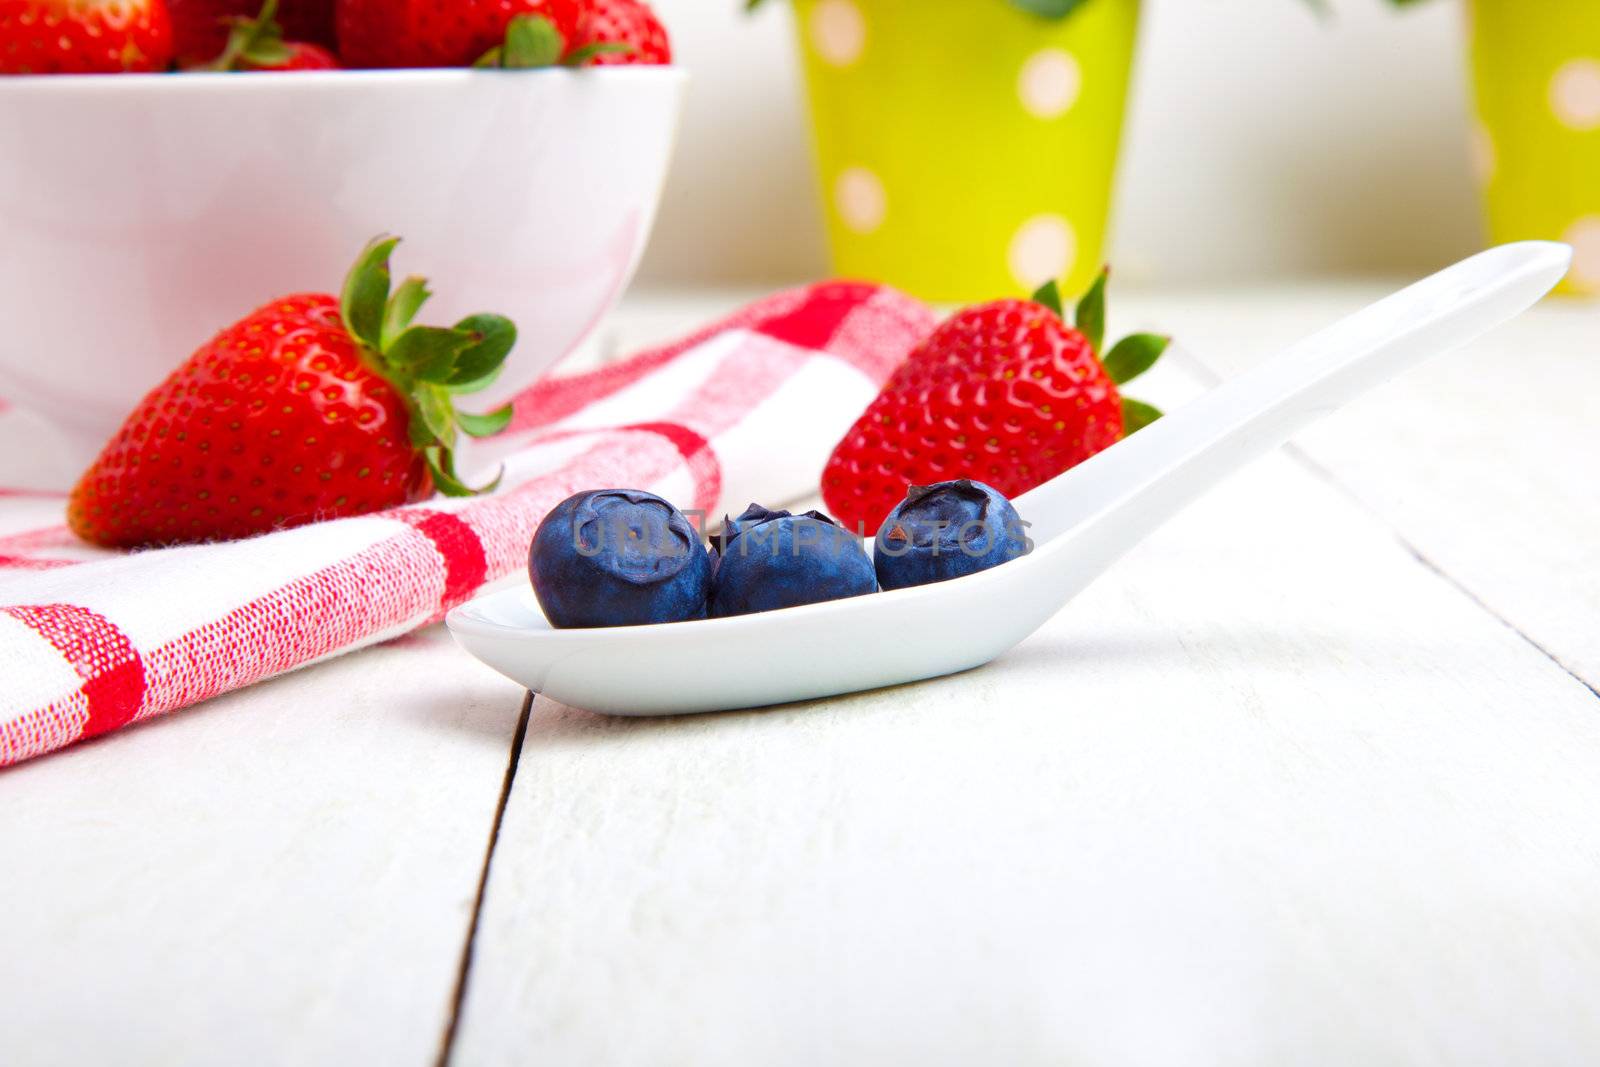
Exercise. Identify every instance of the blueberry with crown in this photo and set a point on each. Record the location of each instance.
(767, 560)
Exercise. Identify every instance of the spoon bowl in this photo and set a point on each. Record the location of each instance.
(1081, 522)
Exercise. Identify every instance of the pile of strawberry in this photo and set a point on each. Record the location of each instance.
(142, 36)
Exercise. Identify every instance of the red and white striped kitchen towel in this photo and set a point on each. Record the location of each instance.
(744, 410)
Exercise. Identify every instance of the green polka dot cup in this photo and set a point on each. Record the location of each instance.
(966, 148)
(1537, 144)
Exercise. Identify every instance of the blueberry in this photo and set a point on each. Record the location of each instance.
(771, 559)
(618, 557)
(946, 530)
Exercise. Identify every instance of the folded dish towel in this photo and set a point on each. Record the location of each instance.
(745, 409)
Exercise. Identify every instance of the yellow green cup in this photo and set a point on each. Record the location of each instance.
(966, 148)
(1536, 69)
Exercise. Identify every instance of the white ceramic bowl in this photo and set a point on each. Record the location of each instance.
(139, 214)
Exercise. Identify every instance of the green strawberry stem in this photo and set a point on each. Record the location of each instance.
(1128, 358)
(532, 42)
(257, 41)
(428, 365)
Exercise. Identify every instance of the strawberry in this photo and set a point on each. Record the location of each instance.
(258, 44)
(200, 28)
(630, 24)
(310, 407)
(84, 36)
(1004, 393)
(441, 33)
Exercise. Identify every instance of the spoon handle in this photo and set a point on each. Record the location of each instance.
(1128, 490)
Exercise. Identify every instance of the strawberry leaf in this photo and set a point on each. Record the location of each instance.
(417, 427)
(1049, 295)
(402, 307)
(427, 353)
(438, 416)
(444, 475)
(531, 42)
(476, 385)
(1136, 415)
(426, 364)
(1133, 355)
(477, 365)
(581, 56)
(1090, 316)
(484, 425)
(270, 54)
(443, 480)
(256, 42)
(366, 291)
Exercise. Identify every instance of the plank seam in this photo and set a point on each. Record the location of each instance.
(1304, 460)
(459, 994)
(1470, 595)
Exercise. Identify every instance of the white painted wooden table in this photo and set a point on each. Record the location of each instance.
(1312, 777)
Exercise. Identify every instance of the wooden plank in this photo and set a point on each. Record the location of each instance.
(1486, 461)
(283, 875)
(1272, 791)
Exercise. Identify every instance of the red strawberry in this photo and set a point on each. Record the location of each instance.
(441, 33)
(200, 28)
(258, 44)
(1005, 393)
(309, 408)
(630, 24)
(84, 36)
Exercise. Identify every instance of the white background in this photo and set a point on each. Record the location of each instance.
(1263, 142)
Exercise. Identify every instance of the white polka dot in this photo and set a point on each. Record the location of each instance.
(1483, 153)
(1584, 237)
(861, 200)
(1043, 248)
(839, 31)
(1575, 94)
(1049, 83)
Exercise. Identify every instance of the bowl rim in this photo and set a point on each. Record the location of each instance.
(255, 81)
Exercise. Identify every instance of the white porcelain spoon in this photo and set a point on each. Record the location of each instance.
(1081, 521)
